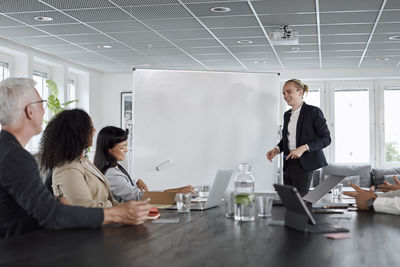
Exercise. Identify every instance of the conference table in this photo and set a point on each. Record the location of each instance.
(208, 238)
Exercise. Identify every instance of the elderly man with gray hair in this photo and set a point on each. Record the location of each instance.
(25, 203)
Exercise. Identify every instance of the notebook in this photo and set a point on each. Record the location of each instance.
(324, 187)
(216, 194)
(299, 216)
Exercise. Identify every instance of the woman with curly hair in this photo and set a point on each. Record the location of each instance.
(74, 177)
(111, 147)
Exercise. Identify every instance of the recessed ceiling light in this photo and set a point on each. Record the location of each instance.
(295, 49)
(43, 18)
(256, 62)
(382, 59)
(220, 9)
(264, 61)
(245, 42)
(394, 37)
(144, 65)
(105, 46)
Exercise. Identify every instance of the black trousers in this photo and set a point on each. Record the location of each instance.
(296, 176)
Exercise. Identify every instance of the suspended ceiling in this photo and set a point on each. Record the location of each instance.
(186, 34)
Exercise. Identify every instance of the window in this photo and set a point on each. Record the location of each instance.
(40, 79)
(391, 123)
(41, 87)
(313, 97)
(71, 93)
(4, 71)
(352, 127)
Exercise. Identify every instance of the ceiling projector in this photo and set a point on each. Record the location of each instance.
(284, 36)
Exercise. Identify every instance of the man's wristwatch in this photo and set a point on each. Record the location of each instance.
(370, 203)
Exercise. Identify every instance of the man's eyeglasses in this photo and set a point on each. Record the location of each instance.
(39, 101)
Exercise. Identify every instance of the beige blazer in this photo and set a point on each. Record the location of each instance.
(82, 185)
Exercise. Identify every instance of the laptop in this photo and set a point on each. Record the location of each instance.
(299, 216)
(321, 190)
(216, 194)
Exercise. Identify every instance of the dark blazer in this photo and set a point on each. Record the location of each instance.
(25, 203)
(311, 130)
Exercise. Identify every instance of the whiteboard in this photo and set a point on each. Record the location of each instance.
(199, 122)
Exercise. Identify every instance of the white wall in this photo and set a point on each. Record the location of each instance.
(108, 98)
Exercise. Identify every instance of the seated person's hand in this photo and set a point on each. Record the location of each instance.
(187, 189)
(184, 190)
(65, 201)
(361, 196)
(142, 186)
(132, 212)
(386, 186)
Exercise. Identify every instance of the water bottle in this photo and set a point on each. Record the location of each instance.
(244, 207)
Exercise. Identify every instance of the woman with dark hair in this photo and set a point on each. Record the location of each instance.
(111, 147)
(74, 177)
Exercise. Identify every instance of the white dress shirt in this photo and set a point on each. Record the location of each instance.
(388, 202)
(292, 127)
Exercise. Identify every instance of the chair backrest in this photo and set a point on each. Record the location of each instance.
(344, 170)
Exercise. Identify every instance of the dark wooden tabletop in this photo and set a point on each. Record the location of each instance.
(210, 239)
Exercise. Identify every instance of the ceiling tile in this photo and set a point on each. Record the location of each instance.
(255, 56)
(28, 18)
(7, 6)
(197, 42)
(63, 48)
(40, 40)
(6, 22)
(390, 16)
(115, 46)
(140, 37)
(118, 26)
(239, 32)
(162, 51)
(206, 50)
(158, 12)
(99, 14)
(230, 21)
(23, 31)
(345, 5)
(250, 49)
(342, 47)
(388, 28)
(383, 53)
(283, 6)
(144, 2)
(344, 38)
(297, 55)
(383, 38)
(348, 17)
(78, 4)
(204, 9)
(339, 54)
(73, 28)
(291, 19)
(173, 24)
(348, 28)
(392, 5)
(92, 38)
(213, 57)
(186, 34)
(303, 48)
(150, 45)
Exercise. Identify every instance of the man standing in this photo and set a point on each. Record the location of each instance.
(25, 203)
